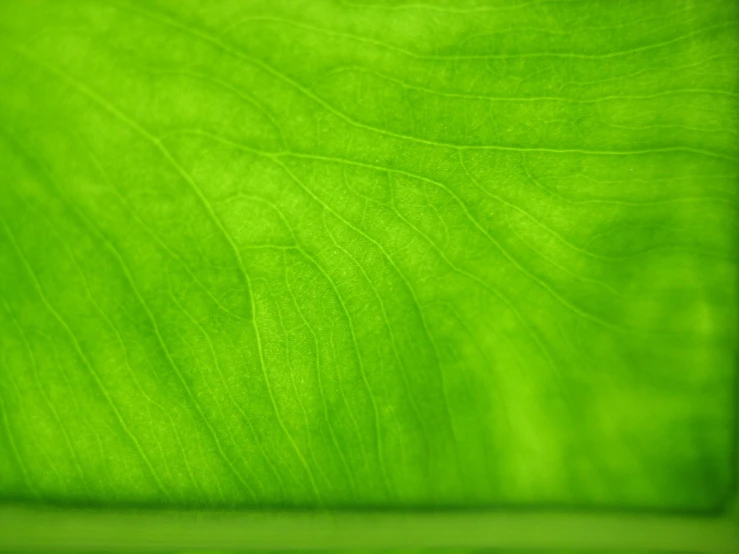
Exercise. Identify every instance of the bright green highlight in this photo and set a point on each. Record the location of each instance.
(320, 253)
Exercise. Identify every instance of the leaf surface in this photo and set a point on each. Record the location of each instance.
(330, 254)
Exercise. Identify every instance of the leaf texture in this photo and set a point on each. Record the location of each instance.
(336, 254)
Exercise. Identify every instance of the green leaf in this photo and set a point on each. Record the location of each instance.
(391, 255)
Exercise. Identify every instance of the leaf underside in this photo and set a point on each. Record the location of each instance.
(321, 253)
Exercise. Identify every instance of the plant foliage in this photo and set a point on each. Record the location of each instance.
(322, 253)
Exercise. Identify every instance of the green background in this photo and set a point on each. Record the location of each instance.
(324, 254)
